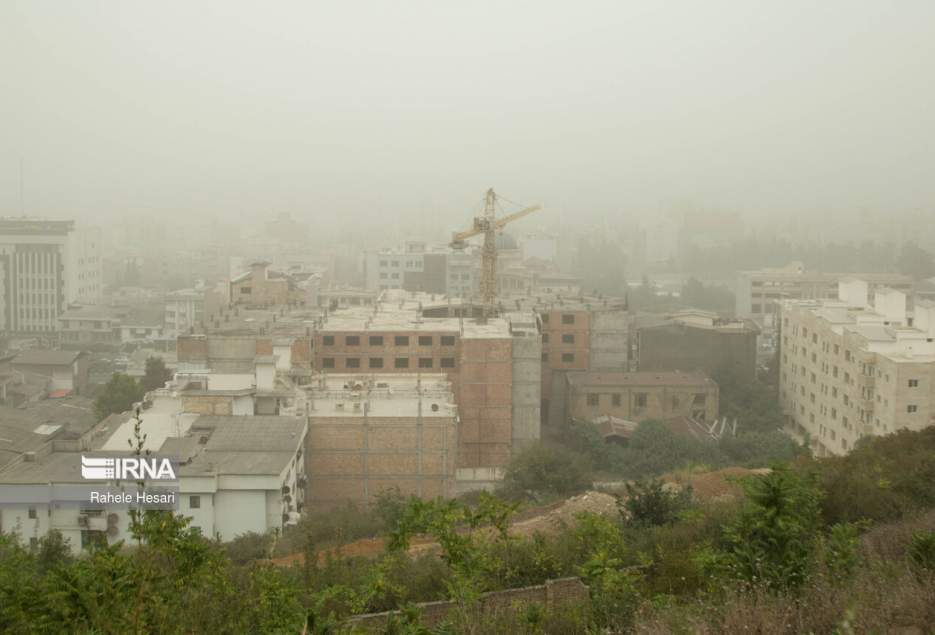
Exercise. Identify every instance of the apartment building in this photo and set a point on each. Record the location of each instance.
(369, 434)
(184, 310)
(760, 292)
(641, 395)
(418, 266)
(850, 368)
(493, 365)
(45, 266)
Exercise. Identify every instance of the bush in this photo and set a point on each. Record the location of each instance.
(773, 541)
(542, 469)
(922, 551)
(651, 503)
(249, 546)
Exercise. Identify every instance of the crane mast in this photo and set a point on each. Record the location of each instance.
(488, 224)
(488, 277)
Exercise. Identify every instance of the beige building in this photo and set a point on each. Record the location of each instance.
(849, 369)
(263, 287)
(760, 292)
(641, 396)
(369, 434)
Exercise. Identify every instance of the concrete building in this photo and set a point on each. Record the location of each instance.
(34, 428)
(480, 358)
(184, 310)
(420, 267)
(44, 267)
(247, 476)
(850, 369)
(335, 298)
(236, 475)
(642, 395)
(760, 292)
(697, 341)
(371, 433)
(67, 371)
(263, 287)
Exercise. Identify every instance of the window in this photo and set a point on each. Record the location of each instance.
(568, 357)
(701, 398)
(376, 362)
(194, 502)
(448, 340)
(425, 340)
(352, 340)
(912, 408)
(401, 340)
(913, 383)
(32, 512)
(545, 357)
(327, 362)
(447, 362)
(641, 399)
(593, 399)
(615, 399)
(545, 338)
(568, 318)
(401, 362)
(425, 362)
(352, 362)
(545, 318)
(246, 290)
(376, 340)
(568, 338)
(327, 340)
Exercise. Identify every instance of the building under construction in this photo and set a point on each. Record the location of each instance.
(492, 363)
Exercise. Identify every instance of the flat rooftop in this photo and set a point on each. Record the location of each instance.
(643, 378)
(398, 310)
(390, 395)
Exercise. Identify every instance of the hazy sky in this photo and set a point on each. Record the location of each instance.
(409, 110)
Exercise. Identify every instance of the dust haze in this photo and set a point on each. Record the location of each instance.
(402, 114)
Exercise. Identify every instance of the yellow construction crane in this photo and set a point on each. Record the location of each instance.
(488, 225)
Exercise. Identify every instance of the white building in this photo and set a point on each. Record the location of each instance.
(183, 311)
(420, 267)
(849, 369)
(44, 267)
(236, 475)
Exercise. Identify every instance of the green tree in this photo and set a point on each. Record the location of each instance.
(118, 395)
(773, 540)
(650, 503)
(916, 262)
(156, 374)
(544, 469)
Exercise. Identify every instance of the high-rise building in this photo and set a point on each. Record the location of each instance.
(44, 266)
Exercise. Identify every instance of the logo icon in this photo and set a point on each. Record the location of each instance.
(93, 469)
(131, 468)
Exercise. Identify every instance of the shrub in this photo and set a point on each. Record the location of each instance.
(922, 551)
(772, 542)
(651, 503)
(543, 469)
